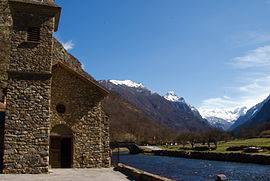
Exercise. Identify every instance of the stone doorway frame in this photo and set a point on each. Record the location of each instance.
(60, 132)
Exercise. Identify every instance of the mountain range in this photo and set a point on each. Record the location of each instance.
(128, 123)
(168, 110)
(255, 116)
(172, 113)
(222, 118)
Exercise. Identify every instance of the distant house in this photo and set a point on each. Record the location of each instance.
(52, 116)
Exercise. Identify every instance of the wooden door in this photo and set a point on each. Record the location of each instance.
(60, 152)
(55, 152)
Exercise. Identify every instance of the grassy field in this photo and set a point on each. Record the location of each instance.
(256, 142)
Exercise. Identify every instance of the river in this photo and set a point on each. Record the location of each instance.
(184, 169)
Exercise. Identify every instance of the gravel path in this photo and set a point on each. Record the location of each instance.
(152, 147)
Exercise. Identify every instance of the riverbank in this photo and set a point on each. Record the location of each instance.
(186, 169)
(231, 157)
(139, 174)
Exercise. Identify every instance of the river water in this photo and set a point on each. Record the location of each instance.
(184, 169)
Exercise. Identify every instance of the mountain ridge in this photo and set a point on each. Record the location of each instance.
(173, 114)
(256, 115)
(222, 118)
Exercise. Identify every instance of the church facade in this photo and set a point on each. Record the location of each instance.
(51, 116)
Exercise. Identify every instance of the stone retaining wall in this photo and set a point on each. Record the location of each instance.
(139, 175)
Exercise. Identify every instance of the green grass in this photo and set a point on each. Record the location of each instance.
(247, 142)
(257, 142)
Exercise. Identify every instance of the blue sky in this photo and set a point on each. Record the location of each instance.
(215, 54)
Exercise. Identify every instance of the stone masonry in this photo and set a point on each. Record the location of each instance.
(5, 25)
(53, 113)
(81, 114)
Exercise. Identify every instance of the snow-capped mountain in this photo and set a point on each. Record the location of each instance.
(222, 118)
(128, 83)
(171, 96)
(219, 123)
(168, 110)
(251, 114)
(182, 104)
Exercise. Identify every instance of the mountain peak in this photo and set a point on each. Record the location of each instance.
(128, 83)
(171, 96)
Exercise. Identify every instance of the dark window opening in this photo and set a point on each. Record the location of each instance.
(60, 108)
(33, 34)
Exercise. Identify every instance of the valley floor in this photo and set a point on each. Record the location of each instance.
(223, 146)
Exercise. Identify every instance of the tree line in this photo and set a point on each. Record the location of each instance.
(205, 137)
(166, 136)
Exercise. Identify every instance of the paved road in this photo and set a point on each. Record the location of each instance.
(102, 174)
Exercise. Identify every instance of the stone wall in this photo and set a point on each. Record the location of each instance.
(61, 55)
(5, 25)
(31, 57)
(26, 128)
(140, 175)
(105, 141)
(32, 95)
(83, 115)
(26, 139)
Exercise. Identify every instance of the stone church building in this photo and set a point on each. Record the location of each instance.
(50, 111)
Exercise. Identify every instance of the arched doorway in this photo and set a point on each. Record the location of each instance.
(61, 147)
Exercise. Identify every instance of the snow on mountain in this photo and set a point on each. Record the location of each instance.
(175, 113)
(171, 96)
(251, 113)
(128, 83)
(219, 123)
(229, 115)
(255, 109)
(222, 118)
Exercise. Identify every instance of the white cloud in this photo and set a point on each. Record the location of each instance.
(248, 94)
(255, 82)
(218, 102)
(68, 45)
(257, 86)
(82, 65)
(259, 57)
